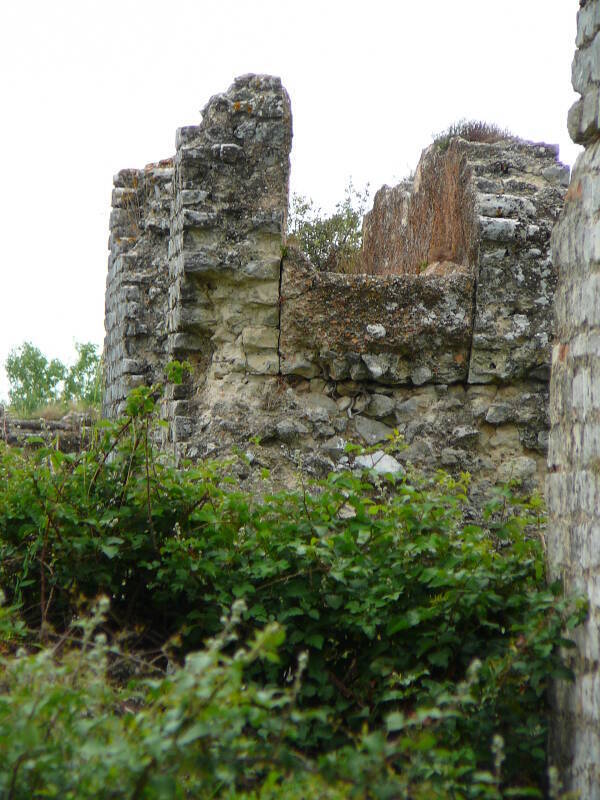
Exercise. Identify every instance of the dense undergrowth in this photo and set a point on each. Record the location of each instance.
(166, 635)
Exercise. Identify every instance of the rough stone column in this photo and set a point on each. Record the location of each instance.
(573, 485)
(136, 284)
(520, 187)
(227, 230)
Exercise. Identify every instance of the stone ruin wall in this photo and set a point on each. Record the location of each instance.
(453, 350)
(573, 484)
(136, 286)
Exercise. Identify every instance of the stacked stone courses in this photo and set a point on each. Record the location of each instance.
(136, 285)
(446, 339)
(573, 485)
(227, 228)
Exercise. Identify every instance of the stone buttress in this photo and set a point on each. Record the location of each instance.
(227, 231)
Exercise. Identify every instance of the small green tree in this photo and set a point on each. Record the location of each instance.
(334, 242)
(34, 381)
(84, 379)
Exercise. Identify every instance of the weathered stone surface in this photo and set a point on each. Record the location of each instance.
(371, 431)
(335, 322)
(513, 324)
(428, 220)
(383, 230)
(381, 406)
(573, 485)
(136, 285)
(380, 462)
(308, 361)
(487, 210)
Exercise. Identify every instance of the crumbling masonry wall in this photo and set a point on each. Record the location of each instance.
(452, 348)
(498, 241)
(227, 228)
(573, 486)
(195, 251)
(136, 286)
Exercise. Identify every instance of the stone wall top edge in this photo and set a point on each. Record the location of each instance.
(259, 82)
(295, 259)
(540, 148)
(124, 177)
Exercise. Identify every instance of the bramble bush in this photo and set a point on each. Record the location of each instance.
(429, 643)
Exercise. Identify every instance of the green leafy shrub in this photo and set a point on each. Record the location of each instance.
(67, 731)
(34, 381)
(331, 242)
(430, 643)
(83, 382)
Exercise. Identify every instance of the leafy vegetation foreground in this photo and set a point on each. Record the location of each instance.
(165, 635)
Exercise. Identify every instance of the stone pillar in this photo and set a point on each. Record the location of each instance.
(136, 284)
(573, 485)
(227, 231)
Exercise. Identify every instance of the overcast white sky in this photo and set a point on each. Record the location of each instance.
(92, 86)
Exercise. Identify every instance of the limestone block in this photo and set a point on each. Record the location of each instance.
(301, 363)
(335, 446)
(317, 401)
(588, 23)
(229, 357)
(372, 431)
(262, 293)
(464, 434)
(421, 374)
(407, 410)
(263, 363)
(501, 230)
(519, 469)
(182, 428)
(379, 461)
(262, 269)
(380, 406)
(504, 205)
(586, 66)
(260, 338)
(288, 430)
(584, 116)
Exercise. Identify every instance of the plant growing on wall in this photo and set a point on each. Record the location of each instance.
(472, 130)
